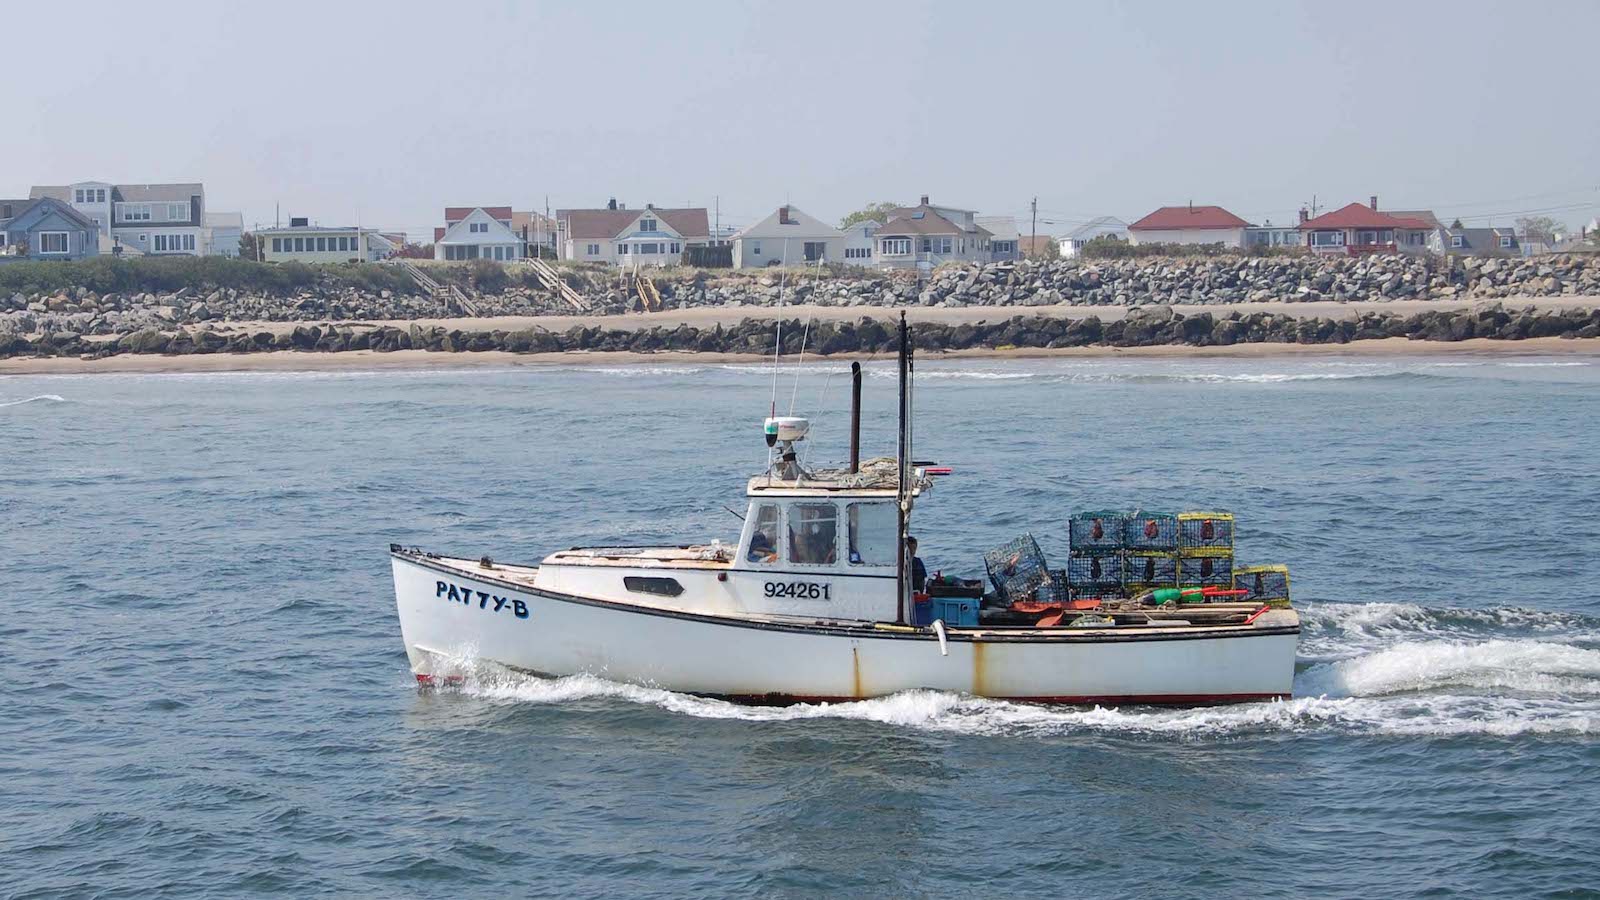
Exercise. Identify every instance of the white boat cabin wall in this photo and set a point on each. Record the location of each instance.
(820, 552)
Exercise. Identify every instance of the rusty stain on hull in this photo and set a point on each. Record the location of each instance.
(855, 672)
(980, 678)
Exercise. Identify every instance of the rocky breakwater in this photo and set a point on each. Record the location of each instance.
(1141, 327)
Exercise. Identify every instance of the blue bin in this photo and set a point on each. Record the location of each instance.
(957, 612)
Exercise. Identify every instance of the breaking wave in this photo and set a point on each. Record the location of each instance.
(1404, 671)
(51, 398)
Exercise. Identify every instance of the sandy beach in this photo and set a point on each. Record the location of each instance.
(367, 360)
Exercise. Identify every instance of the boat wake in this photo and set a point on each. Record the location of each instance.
(51, 398)
(1404, 670)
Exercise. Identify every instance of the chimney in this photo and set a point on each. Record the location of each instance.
(612, 204)
(783, 215)
(1304, 216)
(924, 199)
(649, 206)
(1373, 203)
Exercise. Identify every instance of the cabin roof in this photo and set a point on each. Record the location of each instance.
(878, 479)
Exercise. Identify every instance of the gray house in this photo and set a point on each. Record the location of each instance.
(46, 229)
(1455, 241)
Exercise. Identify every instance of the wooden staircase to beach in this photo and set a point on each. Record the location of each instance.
(649, 297)
(450, 294)
(553, 281)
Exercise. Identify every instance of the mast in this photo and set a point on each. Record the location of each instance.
(903, 479)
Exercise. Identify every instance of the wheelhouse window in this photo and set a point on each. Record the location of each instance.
(872, 528)
(814, 534)
(764, 535)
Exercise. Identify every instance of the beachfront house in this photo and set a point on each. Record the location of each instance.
(620, 236)
(1189, 225)
(1268, 235)
(537, 230)
(305, 242)
(1004, 237)
(223, 231)
(1362, 228)
(156, 219)
(1457, 240)
(46, 228)
(860, 242)
(1071, 244)
(789, 236)
(477, 232)
(924, 236)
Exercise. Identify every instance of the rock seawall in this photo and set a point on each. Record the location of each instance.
(1142, 327)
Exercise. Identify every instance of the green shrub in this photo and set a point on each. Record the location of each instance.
(107, 275)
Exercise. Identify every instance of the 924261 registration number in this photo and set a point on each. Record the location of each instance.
(799, 590)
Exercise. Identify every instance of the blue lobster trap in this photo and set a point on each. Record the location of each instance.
(1017, 569)
(1093, 572)
(1096, 532)
(1153, 532)
(1145, 571)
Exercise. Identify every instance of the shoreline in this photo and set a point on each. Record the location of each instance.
(370, 360)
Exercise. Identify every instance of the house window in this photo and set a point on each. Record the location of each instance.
(299, 245)
(944, 245)
(1505, 241)
(100, 195)
(764, 535)
(677, 248)
(177, 212)
(322, 245)
(52, 242)
(277, 245)
(895, 246)
(927, 245)
(647, 224)
(649, 248)
(1456, 241)
(755, 248)
(594, 249)
(813, 534)
(78, 196)
(1327, 238)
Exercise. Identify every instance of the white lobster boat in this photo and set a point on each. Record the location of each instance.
(812, 605)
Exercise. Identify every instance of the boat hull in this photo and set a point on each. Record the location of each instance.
(450, 618)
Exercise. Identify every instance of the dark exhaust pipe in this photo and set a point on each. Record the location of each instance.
(855, 417)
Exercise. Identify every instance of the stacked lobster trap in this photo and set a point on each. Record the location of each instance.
(1115, 555)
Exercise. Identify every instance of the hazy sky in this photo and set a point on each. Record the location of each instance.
(391, 111)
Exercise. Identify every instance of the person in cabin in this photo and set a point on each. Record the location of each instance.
(919, 572)
(761, 548)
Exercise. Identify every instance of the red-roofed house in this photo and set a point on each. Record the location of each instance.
(477, 232)
(627, 237)
(1356, 229)
(1189, 225)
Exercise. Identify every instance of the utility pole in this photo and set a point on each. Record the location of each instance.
(1033, 243)
(717, 237)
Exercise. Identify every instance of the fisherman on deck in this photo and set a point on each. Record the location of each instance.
(919, 572)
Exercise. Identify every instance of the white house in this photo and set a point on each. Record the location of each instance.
(1189, 225)
(223, 231)
(620, 236)
(788, 236)
(925, 236)
(477, 232)
(1071, 243)
(156, 219)
(303, 242)
(860, 242)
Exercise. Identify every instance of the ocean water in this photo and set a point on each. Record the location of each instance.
(205, 692)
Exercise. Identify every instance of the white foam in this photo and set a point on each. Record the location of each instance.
(1494, 665)
(51, 398)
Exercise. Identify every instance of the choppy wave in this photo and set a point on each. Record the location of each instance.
(50, 398)
(1406, 671)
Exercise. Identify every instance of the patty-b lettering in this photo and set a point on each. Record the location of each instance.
(480, 599)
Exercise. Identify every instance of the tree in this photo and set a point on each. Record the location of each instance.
(872, 212)
(415, 251)
(1540, 228)
(251, 246)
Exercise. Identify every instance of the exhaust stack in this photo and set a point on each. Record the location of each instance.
(855, 417)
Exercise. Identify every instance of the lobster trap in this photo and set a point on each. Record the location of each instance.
(1094, 572)
(1145, 571)
(1095, 532)
(1206, 571)
(1205, 534)
(1263, 584)
(1017, 569)
(1152, 532)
